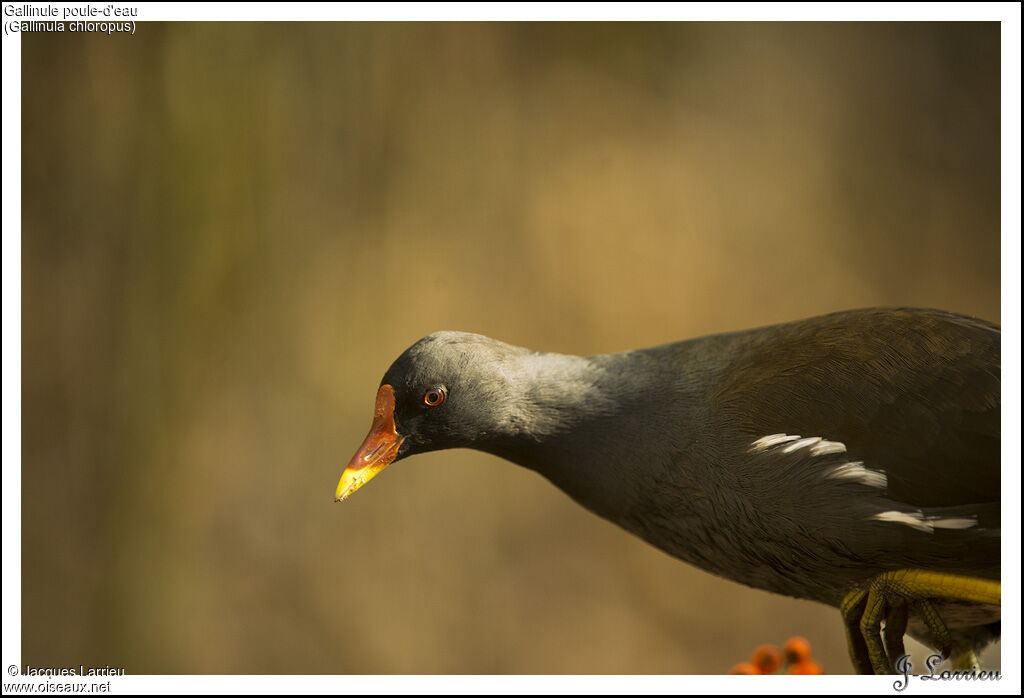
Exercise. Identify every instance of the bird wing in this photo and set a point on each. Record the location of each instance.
(913, 393)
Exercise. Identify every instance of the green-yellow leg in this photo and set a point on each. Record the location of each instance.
(895, 629)
(871, 626)
(852, 608)
(966, 660)
(943, 642)
(885, 597)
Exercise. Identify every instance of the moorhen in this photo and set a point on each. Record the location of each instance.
(852, 459)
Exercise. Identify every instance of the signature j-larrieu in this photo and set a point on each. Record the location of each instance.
(904, 667)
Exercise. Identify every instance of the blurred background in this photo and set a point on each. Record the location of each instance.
(231, 230)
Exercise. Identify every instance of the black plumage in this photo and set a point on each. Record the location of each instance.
(801, 458)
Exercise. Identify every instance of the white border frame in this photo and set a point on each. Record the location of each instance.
(1007, 13)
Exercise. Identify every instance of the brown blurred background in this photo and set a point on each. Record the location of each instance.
(231, 230)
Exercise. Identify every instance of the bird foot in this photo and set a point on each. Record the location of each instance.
(966, 660)
(890, 597)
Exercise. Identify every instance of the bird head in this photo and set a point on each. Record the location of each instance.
(448, 390)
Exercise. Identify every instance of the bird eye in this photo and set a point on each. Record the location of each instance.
(435, 396)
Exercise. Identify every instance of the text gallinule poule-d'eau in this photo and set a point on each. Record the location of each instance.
(851, 459)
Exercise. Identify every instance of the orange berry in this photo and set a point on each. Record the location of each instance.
(807, 666)
(744, 668)
(767, 659)
(797, 649)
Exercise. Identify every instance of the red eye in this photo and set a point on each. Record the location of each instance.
(435, 396)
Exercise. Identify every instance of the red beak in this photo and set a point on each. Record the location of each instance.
(379, 447)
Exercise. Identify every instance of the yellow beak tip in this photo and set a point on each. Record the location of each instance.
(352, 480)
(344, 491)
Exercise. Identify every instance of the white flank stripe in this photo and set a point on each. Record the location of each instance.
(856, 472)
(928, 524)
(801, 444)
(819, 446)
(766, 442)
(954, 523)
(914, 520)
(827, 447)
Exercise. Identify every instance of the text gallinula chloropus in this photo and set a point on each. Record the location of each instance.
(852, 459)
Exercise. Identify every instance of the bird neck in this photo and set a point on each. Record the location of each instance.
(577, 421)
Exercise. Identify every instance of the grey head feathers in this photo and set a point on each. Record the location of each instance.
(496, 392)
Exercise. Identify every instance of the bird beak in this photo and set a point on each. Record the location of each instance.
(379, 448)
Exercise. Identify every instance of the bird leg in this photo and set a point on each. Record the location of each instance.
(889, 597)
(852, 608)
(940, 634)
(895, 629)
(879, 596)
(966, 660)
